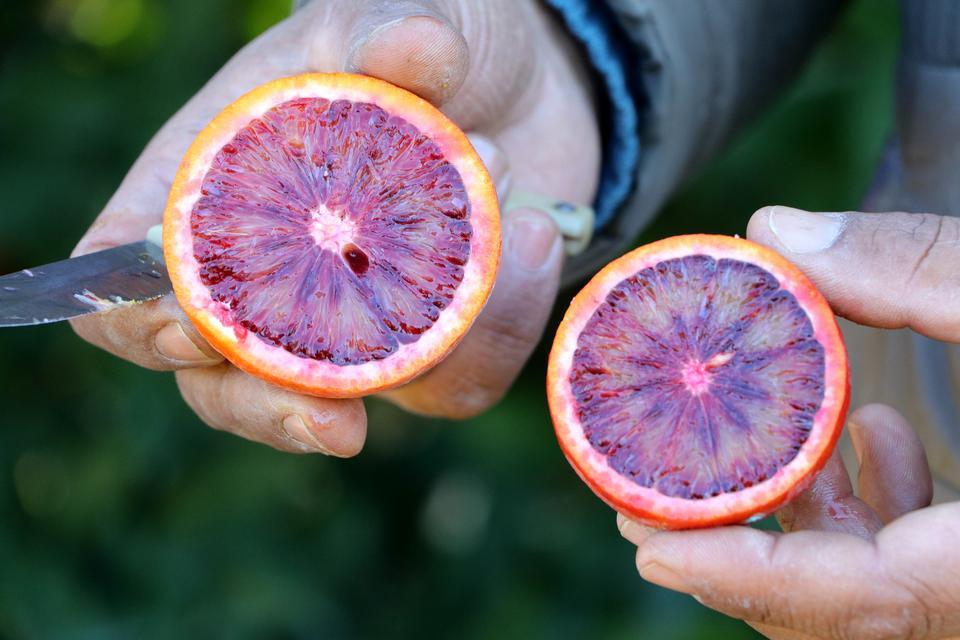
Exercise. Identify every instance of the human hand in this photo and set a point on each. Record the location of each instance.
(504, 73)
(881, 564)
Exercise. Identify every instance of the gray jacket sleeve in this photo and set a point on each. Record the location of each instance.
(707, 67)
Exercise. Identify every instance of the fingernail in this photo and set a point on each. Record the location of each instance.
(854, 430)
(296, 430)
(533, 238)
(621, 522)
(633, 531)
(663, 576)
(172, 342)
(805, 232)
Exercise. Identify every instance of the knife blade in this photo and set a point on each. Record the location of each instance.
(134, 273)
(93, 283)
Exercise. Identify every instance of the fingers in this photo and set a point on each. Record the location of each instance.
(887, 270)
(830, 505)
(424, 52)
(821, 584)
(229, 400)
(156, 335)
(894, 476)
(815, 583)
(481, 369)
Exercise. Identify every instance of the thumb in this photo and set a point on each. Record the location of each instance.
(886, 270)
(473, 58)
(412, 45)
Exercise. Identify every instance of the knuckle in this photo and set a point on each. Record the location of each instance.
(188, 391)
(761, 611)
(459, 398)
(754, 610)
(485, 385)
(474, 402)
(131, 333)
(506, 333)
(902, 612)
(463, 403)
(932, 237)
(926, 234)
(875, 626)
(925, 253)
(121, 333)
(920, 606)
(88, 329)
(476, 381)
(203, 398)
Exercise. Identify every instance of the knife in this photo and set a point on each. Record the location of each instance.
(93, 283)
(135, 273)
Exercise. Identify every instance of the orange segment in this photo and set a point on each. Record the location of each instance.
(332, 234)
(697, 381)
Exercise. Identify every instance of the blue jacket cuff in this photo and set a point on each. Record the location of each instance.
(611, 54)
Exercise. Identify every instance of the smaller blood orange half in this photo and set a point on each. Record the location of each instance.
(697, 381)
(332, 234)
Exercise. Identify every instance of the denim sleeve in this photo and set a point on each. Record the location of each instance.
(611, 54)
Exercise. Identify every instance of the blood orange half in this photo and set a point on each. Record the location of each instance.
(332, 234)
(697, 381)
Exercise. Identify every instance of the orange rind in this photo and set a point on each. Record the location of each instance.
(276, 151)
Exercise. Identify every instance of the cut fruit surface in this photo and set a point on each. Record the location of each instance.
(699, 380)
(332, 233)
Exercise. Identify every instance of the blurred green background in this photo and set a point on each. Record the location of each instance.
(122, 516)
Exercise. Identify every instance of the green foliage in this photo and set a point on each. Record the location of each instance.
(122, 516)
